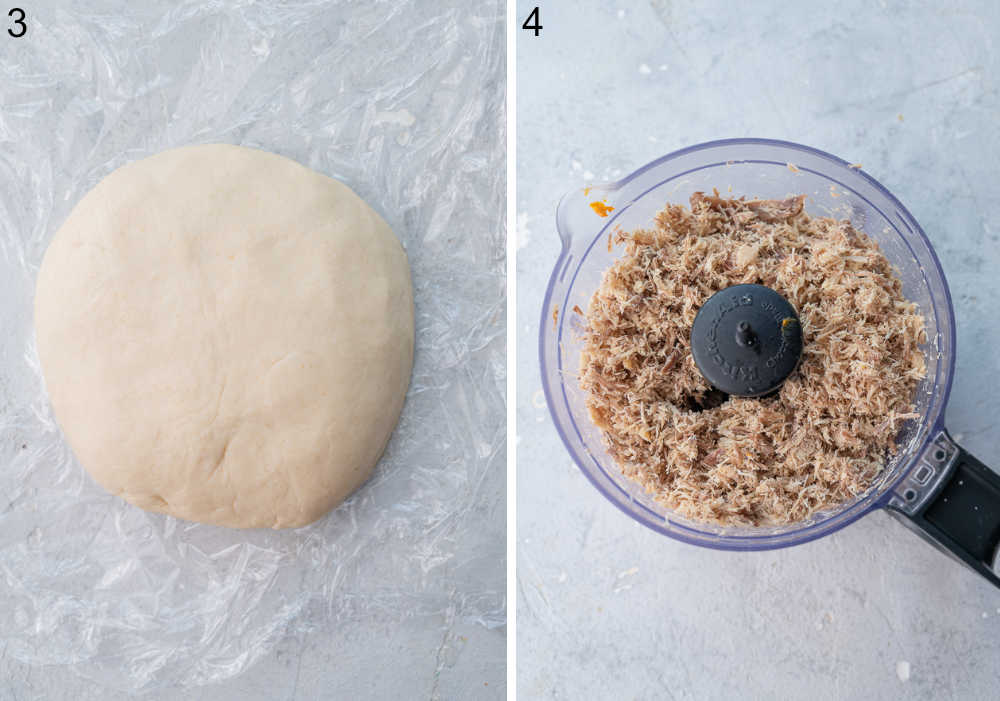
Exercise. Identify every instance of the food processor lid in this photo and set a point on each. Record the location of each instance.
(746, 339)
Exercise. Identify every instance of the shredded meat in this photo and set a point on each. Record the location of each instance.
(825, 436)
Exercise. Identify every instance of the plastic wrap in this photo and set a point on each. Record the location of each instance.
(401, 100)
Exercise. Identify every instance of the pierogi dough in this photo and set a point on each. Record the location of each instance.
(226, 336)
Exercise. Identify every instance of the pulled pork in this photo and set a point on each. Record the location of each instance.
(825, 436)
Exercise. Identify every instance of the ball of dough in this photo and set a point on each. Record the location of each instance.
(226, 336)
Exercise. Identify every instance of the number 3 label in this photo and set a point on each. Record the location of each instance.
(20, 28)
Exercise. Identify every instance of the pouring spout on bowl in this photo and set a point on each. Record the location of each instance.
(585, 211)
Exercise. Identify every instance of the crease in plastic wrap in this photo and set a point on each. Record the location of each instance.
(404, 102)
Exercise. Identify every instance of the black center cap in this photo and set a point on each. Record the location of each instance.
(746, 339)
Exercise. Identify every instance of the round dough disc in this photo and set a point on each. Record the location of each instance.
(226, 336)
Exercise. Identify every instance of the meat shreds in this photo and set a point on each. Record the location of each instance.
(825, 436)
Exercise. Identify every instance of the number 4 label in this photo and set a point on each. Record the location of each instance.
(533, 17)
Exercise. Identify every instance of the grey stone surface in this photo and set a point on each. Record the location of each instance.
(610, 610)
(421, 659)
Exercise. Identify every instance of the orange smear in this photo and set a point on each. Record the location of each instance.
(601, 208)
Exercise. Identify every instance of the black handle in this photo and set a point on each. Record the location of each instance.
(952, 500)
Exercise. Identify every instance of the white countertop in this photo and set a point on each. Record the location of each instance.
(610, 610)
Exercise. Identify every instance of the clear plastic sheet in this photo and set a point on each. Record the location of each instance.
(402, 100)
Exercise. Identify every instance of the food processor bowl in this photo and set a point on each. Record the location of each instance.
(586, 219)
